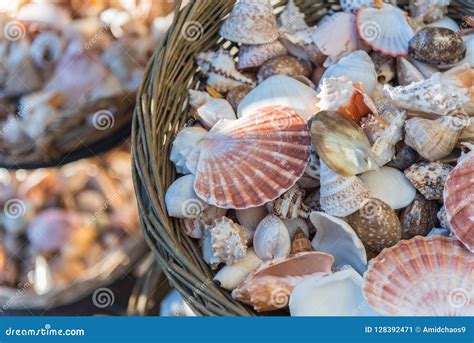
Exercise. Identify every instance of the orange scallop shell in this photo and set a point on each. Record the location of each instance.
(252, 160)
(459, 201)
(431, 276)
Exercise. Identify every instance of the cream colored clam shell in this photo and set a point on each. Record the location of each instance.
(337, 294)
(181, 200)
(280, 90)
(389, 185)
(271, 238)
(182, 146)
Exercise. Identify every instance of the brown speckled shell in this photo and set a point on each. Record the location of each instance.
(377, 226)
(419, 217)
(437, 46)
(236, 94)
(459, 201)
(429, 178)
(284, 65)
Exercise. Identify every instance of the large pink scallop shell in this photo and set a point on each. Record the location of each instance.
(252, 160)
(431, 276)
(459, 201)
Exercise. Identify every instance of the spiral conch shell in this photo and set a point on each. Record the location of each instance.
(440, 94)
(459, 200)
(221, 72)
(269, 287)
(422, 277)
(344, 96)
(341, 144)
(433, 139)
(224, 241)
(258, 158)
(340, 195)
(251, 22)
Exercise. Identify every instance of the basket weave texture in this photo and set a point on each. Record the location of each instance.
(161, 111)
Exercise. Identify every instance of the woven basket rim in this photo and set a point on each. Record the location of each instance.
(160, 106)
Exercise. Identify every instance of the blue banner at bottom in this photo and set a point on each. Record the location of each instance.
(236, 329)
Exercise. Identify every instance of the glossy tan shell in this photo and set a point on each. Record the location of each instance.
(459, 201)
(422, 277)
(269, 286)
(252, 160)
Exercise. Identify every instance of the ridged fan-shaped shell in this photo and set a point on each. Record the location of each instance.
(384, 29)
(422, 277)
(459, 201)
(252, 160)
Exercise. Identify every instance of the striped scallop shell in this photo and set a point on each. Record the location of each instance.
(384, 29)
(340, 195)
(252, 160)
(459, 201)
(422, 277)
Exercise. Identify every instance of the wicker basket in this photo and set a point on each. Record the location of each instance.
(73, 136)
(161, 111)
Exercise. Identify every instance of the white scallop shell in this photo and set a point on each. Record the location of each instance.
(182, 146)
(358, 67)
(340, 195)
(385, 29)
(334, 236)
(389, 185)
(271, 239)
(337, 294)
(351, 6)
(181, 200)
(336, 36)
(231, 276)
(280, 90)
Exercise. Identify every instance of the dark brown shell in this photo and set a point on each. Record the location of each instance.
(419, 217)
(284, 65)
(377, 226)
(437, 46)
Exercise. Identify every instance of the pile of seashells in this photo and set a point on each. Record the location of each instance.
(57, 224)
(324, 171)
(54, 60)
